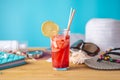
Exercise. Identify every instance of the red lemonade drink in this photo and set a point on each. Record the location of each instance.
(60, 44)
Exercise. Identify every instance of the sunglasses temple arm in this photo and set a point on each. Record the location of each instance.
(116, 49)
(114, 53)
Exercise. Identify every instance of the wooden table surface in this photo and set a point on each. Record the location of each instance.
(42, 70)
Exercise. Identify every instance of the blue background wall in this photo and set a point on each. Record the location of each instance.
(21, 19)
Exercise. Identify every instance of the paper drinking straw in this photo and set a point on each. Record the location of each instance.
(70, 15)
(71, 18)
(72, 12)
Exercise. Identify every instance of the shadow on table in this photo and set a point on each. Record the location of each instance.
(78, 67)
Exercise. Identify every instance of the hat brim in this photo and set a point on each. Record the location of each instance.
(103, 65)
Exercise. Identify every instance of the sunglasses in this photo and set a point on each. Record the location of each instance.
(90, 48)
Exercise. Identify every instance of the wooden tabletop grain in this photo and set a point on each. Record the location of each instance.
(42, 70)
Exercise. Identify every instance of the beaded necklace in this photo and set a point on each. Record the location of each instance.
(105, 56)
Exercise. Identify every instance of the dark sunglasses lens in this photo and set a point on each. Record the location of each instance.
(91, 49)
(77, 44)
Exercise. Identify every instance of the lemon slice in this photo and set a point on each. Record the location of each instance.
(50, 29)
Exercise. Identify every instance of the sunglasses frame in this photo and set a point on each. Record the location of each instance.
(80, 44)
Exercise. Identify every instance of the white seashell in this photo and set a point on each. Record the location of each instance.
(78, 57)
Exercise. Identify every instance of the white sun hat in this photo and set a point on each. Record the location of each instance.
(104, 32)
